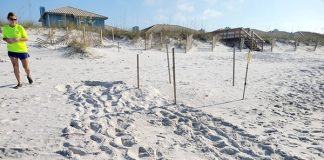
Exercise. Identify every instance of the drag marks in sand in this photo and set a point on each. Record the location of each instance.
(115, 121)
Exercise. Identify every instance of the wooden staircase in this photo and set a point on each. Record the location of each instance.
(248, 44)
(253, 41)
(245, 36)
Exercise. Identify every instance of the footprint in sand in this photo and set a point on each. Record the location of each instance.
(97, 138)
(128, 141)
(95, 126)
(106, 149)
(110, 117)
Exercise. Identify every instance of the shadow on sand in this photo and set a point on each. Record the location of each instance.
(217, 104)
(7, 86)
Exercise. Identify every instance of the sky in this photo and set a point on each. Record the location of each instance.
(285, 15)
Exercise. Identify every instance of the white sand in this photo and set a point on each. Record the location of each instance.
(91, 109)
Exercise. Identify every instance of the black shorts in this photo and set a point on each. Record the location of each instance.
(21, 56)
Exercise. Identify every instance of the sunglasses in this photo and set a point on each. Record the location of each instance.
(13, 19)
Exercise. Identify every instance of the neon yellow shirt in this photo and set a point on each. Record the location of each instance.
(17, 31)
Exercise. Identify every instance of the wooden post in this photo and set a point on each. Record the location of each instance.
(174, 78)
(67, 34)
(316, 44)
(101, 39)
(213, 43)
(234, 65)
(65, 23)
(246, 73)
(272, 44)
(296, 45)
(118, 47)
(168, 59)
(241, 44)
(113, 34)
(145, 38)
(161, 40)
(186, 44)
(252, 41)
(262, 46)
(226, 37)
(309, 42)
(249, 57)
(137, 70)
(50, 35)
(150, 38)
(84, 36)
(190, 41)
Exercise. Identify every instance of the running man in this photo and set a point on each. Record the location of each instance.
(16, 37)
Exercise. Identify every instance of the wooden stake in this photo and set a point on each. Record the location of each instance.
(145, 41)
(168, 59)
(295, 45)
(213, 43)
(262, 46)
(101, 39)
(186, 44)
(252, 41)
(118, 47)
(241, 44)
(249, 57)
(234, 66)
(84, 36)
(67, 34)
(151, 38)
(246, 74)
(161, 39)
(316, 46)
(113, 34)
(137, 70)
(272, 44)
(174, 78)
(50, 35)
